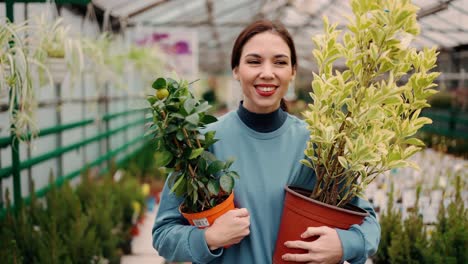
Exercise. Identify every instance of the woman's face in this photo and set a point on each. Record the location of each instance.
(264, 72)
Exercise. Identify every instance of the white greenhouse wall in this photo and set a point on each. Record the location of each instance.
(87, 88)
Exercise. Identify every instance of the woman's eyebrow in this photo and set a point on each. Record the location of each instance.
(253, 55)
(258, 56)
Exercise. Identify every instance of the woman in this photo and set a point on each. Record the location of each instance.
(267, 144)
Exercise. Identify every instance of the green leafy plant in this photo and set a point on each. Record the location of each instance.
(391, 225)
(178, 119)
(410, 244)
(363, 120)
(449, 240)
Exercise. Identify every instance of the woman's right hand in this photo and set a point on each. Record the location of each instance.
(228, 229)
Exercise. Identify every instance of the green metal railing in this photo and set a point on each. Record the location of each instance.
(60, 179)
(447, 123)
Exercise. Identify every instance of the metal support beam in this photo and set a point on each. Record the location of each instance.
(433, 9)
(214, 32)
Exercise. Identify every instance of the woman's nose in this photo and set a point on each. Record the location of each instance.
(267, 72)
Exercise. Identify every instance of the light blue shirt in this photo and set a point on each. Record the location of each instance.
(266, 163)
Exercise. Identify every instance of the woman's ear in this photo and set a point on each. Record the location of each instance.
(294, 70)
(235, 73)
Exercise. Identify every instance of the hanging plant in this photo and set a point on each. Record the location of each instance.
(15, 78)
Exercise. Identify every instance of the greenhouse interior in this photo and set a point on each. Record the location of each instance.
(106, 108)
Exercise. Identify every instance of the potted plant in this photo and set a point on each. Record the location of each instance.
(363, 119)
(205, 183)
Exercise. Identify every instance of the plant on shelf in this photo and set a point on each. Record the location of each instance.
(182, 148)
(363, 120)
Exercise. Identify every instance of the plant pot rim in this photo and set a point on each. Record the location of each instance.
(210, 211)
(354, 209)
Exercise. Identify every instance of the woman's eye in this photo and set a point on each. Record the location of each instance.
(282, 63)
(253, 62)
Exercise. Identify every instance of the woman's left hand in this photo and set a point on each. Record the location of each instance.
(326, 249)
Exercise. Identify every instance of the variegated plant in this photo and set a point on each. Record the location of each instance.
(363, 119)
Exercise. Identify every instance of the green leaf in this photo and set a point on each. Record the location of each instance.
(196, 152)
(193, 119)
(180, 135)
(228, 164)
(306, 163)
(172, 178)
(160, 83)
(189, 105)
(202, 166)
(414, 141)
(215, 167)
(173, 83)
(202, 107)
(213, 187)
(173, 107)
(234, 174)
(151, 99)
(209, 136)
(343, 162)
(208, 156)
(227, 183)
(208, 119)
(177, 115)
(178, 183)
(392, 100)
(162, 158)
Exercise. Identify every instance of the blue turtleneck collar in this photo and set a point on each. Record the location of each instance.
(263, 123)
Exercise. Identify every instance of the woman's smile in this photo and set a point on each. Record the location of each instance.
(265, 89)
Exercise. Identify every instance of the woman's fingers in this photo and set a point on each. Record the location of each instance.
(298, 244)
(296, 257)
(315, 231)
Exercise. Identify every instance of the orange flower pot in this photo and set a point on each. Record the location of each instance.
(206, 218)
(301, 212)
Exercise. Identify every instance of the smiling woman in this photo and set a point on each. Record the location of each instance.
(264, 72)
(267, 144)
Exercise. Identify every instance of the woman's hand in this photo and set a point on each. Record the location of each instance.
(326, 249)
(228, 229)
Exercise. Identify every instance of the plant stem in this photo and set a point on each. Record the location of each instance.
(187, 138)
(192, 172)
(198, 141)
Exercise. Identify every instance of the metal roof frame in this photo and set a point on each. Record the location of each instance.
(218, 22)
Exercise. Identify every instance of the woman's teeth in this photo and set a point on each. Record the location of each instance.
(266, 89)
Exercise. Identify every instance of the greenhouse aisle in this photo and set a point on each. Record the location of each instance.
(143, 251)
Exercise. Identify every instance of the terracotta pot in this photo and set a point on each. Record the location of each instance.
(301, 212)
(206, 218)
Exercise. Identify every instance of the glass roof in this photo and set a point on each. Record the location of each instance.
(217, 22)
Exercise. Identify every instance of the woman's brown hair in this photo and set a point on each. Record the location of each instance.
(255, 28)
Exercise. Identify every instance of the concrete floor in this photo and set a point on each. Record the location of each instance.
(143, 251)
